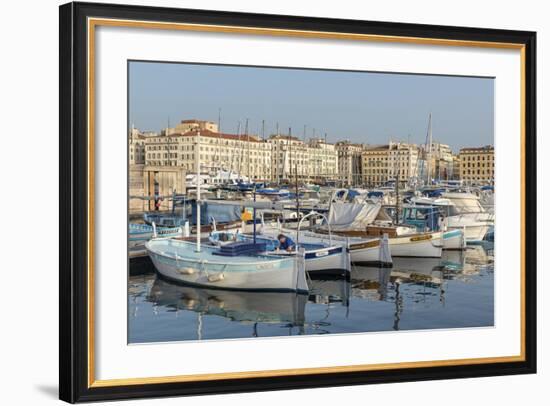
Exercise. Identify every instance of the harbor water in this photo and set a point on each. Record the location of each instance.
(454, 291)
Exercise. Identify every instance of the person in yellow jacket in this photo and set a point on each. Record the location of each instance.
(246, 215)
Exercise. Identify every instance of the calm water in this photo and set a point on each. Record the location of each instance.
(454, 291)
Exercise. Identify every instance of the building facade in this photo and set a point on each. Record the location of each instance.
(394, 161)
(136, 147)
(244, 154)
(291, 158)
(477, 165)
(323, 161)
(349, 163)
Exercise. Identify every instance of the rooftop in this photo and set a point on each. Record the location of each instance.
(212, 134)
(476, 149)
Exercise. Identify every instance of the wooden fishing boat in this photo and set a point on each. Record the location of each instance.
(406, 243)
(183, 261)
(234, 266)
(362, 251)
(367, 221)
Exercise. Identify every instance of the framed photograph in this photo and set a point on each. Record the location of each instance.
(259, 202)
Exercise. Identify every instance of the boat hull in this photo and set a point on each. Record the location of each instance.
(324, 261)
(409, 245)
(367, 253)
(454, 240)
(175, 260)
(427, 245)
(473, 232)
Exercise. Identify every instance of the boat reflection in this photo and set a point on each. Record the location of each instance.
(252, 307)
(330, 291)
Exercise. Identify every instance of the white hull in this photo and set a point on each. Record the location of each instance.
(367, 253)
(473, 232)
(323, 260)
(454, 240)
(475, 225)
(427, 245)
(177, 261)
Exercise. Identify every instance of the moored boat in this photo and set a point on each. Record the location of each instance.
(320, 257)
(429, 218)
(181, 261)
(367, 221)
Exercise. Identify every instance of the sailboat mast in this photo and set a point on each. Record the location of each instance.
(296, 177)
(248, 151)
(198, 170)
(277, 156)
(429, 150)
(219, 152)
(239, 149)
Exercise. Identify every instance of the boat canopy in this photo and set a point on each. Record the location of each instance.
(350, 216)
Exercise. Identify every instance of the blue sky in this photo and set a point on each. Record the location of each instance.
(360, 106)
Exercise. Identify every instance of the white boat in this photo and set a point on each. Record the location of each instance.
(462, 211)
(366, 221)
(365, 251)
(180, 261)
(454, 240)
(320, 257)
(428, 218)
(362, 251)
(473, 229)
(227, 267)
(428, 245)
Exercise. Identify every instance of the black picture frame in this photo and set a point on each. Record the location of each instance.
(74, 200)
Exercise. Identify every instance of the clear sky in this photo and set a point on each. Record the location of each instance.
(363, 107)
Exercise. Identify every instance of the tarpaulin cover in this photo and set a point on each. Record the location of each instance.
(220, 213)
(352, 216)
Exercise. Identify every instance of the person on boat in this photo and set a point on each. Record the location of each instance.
(246, 215)
(285, 243)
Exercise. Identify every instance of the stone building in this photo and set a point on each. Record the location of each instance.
(313, 161)
(477, 165)
(349, 163)
(323, 160)
(245, 154)
(394, 161)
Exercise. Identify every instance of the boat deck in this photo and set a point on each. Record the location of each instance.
(188, 251)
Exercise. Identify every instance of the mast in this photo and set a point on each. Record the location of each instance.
(219, 152)
(296, 177)
(248, 150)
(429, 149)
(239, 149)
(396, 193)
(277, 156)
(198, 169)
